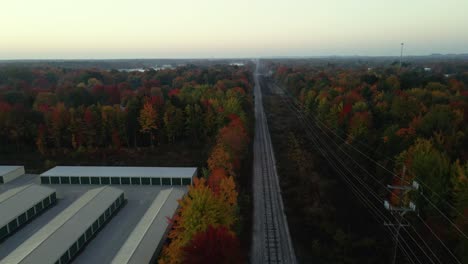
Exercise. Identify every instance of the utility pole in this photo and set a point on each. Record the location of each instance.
(401, 54)
(400, 211)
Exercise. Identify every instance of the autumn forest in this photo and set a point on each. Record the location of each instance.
(355, 141)
(391, 127)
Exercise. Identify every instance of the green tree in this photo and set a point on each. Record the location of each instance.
(133, 116)
(426, 163)
(173, 122)
(460, 214)
(193, 122)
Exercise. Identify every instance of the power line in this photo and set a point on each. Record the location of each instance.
(365, 200)
(418, 180)
(296, 108)
(424, 241)
(378, 164)
(440, 240)
(419, 246)
(354, 189)
(452, 223)
(360, 194)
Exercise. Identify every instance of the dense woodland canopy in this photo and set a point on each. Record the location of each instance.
(55, 111)
(414, 117)
(51, 109)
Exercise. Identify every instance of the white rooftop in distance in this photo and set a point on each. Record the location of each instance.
(6, 169)
(98, 171)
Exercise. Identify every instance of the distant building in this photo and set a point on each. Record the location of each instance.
(427, 69)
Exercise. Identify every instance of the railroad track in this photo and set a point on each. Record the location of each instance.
(271, 242)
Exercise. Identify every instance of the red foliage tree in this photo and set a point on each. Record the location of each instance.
(215, 245)
(173, 92)
(346, 110)
(234, 135)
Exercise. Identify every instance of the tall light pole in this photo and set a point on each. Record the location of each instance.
(401, 53)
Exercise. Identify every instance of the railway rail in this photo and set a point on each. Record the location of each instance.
(271, 239)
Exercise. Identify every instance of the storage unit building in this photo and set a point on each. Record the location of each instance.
(169, 176)
(9, 173)
(64, 236)
(146, 240)
(22, 204)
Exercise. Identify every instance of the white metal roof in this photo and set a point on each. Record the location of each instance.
(144, 239)
(6, 195)
(7, 169)
(97, 171)
(18, 200)
(50, 242)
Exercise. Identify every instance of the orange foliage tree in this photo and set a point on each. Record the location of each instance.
(220, 158)
(234, 135)
(214, 180)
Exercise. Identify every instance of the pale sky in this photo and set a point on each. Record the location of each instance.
(95, 29)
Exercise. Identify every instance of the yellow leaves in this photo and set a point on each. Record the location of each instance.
(439, 138)
(147, 118)
(204, 205)
(458, 116)
(40, 141)
(227, 191)
(106, 112)
(199, 209)
(460, 174)
(360, 106)
(393, 82)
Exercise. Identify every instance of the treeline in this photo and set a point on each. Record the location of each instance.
(412, 121)
(54, 109)
(204, 228)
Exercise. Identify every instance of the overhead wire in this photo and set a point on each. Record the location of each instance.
(381, 166)
(297, 110)
(366, 201)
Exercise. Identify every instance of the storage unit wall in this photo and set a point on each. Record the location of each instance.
(66, 235)
(20, 205)
(9, 173)
(162, 176)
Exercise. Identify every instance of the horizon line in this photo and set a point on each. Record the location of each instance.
(235, 58)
